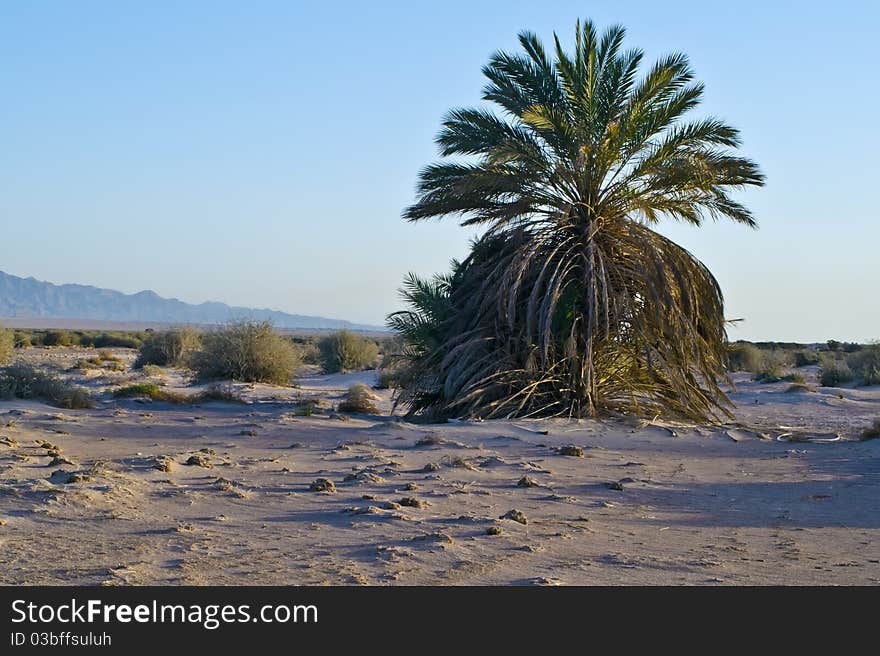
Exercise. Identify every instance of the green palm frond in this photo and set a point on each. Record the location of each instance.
(570, 303)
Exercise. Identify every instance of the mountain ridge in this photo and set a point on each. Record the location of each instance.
(32, 298)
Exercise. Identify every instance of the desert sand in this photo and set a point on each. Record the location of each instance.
(785, 494)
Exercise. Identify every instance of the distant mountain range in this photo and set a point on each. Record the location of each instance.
(31, 298)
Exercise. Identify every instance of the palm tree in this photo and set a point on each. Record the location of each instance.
(570, 303)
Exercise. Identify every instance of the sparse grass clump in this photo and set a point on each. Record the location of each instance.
(7, 344)
(153, 371)
(360, 400)
(346, 351)
(247, 351)
(169, 348)
(150, 391)
(25, 382)
(104, 360)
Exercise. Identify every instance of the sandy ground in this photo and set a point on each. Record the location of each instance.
(418, 504)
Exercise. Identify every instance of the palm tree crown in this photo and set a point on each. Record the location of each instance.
(570, 302)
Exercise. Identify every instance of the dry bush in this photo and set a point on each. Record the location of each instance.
(248, 351)
(346, 351)
(169, 348)
(835, 374)
(865, 364)
(25, 382)
(360, 400)
(742, 356)
(156, 393)
(805, 358)
(7, 344)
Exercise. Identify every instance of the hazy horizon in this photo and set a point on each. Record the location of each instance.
(261, 155)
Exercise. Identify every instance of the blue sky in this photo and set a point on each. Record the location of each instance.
(260, 153)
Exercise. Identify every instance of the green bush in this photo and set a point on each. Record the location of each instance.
(359, 399)
(169, 348)
(805, 358)
(865, 364)
(835, 374)
(346, 351)
(248, 351)
(22, 339)
(116, 340)
(25, 382)
(7, 344)
(59, 338)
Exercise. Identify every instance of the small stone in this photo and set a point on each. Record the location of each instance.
(494, 530)
(572, 450)
(516, 516)
(527, 481)
(614, 486)
(199, 460)
(322, 485)
(412, 502)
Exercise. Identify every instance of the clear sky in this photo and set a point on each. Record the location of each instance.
(260, 153)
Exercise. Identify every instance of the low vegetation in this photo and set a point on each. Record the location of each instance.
(248, 351)
(7, 344)
(26, 382)
(103, 360)
(25, 338)
(359, 400)
(835, 374)
(155, 392)
(347, 351)
(865, 364)
(169, 348)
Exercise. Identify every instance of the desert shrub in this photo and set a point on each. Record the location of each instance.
(7, 344)
(834, 374)
(795, 377)
(346, 351)
(388, 379)
(116, 340)
(772, 374)
(25, 382)
(169, 348)
(865, 364)
(153, 371)
(742, 356)
(798, 387)
(59, 338)
(104, 360)
(154, 392)
(22, 339)
(359, 399)
(309, 352)
(805, 358)
(225, 393)
(248, 351)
